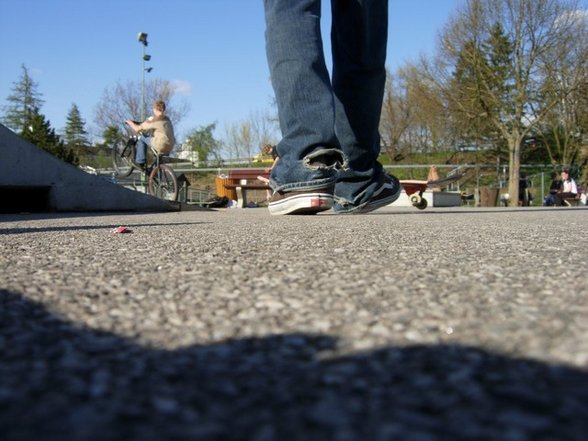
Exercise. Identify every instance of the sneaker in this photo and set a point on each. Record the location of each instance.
(301, 202)
(387, 193)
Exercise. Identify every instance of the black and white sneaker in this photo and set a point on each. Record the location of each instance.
(388, 191)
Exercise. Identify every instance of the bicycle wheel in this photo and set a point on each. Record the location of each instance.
(163, 183)
(123, 153)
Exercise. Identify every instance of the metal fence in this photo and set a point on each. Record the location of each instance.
(478, 176)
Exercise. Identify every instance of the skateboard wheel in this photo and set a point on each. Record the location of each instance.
(415, 199)
(422, 204)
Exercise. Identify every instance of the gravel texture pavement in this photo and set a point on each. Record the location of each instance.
(445, 324)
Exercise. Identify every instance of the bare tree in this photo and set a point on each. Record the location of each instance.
(413, 115)
(566, 85)
(264, 127)
(505, 47)
(239, 141)
(244, 139)
(123, 101)
(397, 116)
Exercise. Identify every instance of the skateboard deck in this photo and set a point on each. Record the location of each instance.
(415, 188)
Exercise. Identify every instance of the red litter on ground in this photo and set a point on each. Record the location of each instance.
(121, 229)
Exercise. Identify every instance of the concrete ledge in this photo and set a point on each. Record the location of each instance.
(23, 165)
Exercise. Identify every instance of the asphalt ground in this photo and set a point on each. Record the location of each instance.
(443, 324)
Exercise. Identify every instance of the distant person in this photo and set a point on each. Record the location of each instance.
(269, 150)
(433, 176)
(569, 189)
(330, 140)
(554, 188)
(157, 131)
(524, 193)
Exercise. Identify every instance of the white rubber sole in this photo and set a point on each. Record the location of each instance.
(307, 203)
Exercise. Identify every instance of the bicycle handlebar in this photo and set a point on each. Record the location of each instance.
(130, 130)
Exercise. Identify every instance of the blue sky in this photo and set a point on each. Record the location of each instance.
(75, 49)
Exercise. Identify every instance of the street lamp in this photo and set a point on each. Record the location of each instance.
(142, 38)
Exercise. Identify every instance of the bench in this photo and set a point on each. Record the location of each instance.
(243, 179)
(572, 202)
(575, 200)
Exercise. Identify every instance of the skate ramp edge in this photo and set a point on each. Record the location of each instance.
(33, 180)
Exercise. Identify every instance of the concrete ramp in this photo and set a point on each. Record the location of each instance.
(35, 181)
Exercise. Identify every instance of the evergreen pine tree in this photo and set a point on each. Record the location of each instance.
(471, 94)
(75, 133)
(23, 100)
(39, 132)
(110, 135)
(499, 77)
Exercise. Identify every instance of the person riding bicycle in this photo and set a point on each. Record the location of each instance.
(157, 131)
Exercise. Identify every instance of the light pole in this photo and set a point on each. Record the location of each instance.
(142, 38)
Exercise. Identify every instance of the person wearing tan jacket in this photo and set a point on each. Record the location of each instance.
(157, 131)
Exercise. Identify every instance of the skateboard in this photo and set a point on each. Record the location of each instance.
(415, 188)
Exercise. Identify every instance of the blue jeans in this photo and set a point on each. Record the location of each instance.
(141, 149)
(319, 116)
(549, 200)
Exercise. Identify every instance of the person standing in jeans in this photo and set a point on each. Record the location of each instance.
(330, 139)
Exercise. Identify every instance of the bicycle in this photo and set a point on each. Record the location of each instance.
(162, 181)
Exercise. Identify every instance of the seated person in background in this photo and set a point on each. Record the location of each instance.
(433, 176)
(582, 192)
(554, 188)
(569, 188)
(269, 150)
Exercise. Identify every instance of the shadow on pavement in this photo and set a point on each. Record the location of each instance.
(61, 381)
